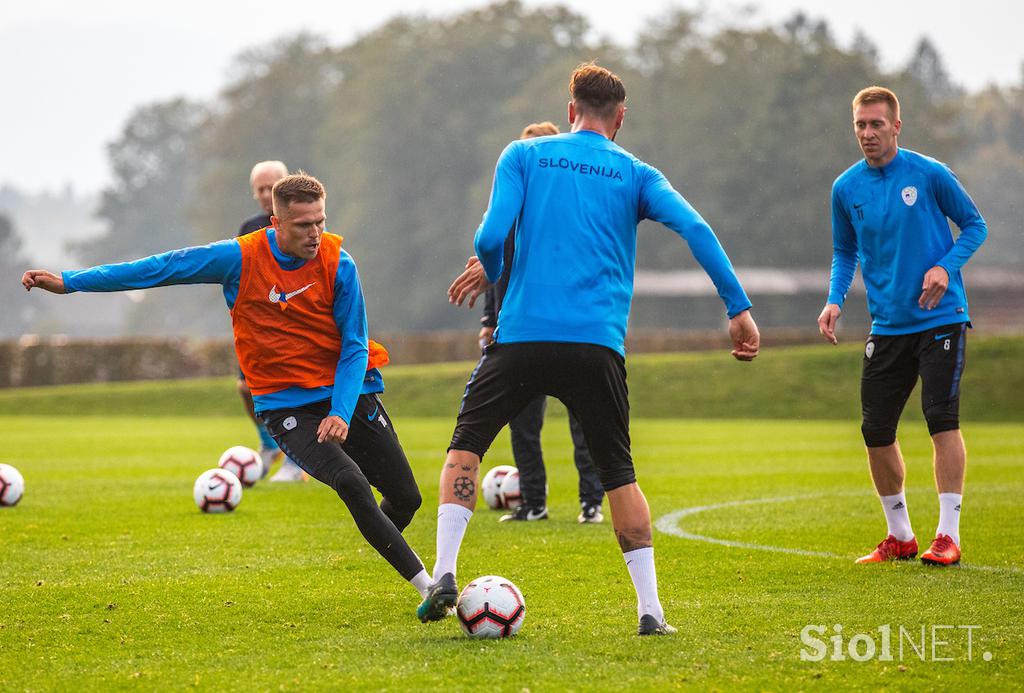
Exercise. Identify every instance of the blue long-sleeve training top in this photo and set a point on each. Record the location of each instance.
(221, 263)
(575, 200)
(893, 220)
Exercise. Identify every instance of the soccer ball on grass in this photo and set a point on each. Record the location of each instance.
(501, 487)
(217, 491)
(12, 485)
(491, 607)
(243, 462)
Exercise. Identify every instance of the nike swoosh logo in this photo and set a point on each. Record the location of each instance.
(372, 416)
(942, 336)
(276, 296)
(860, 205)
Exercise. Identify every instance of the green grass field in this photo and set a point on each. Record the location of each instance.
(112, 579)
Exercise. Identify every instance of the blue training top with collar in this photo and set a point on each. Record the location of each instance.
(575, 200)
(893, 220)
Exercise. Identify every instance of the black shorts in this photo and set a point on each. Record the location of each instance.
(892, 365)
(589, 379)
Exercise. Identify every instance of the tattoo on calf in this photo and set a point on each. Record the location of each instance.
(630, 540)
(464, 488)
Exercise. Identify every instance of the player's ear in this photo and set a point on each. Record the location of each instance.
(273, 221)
(897, 126)
(572, 113)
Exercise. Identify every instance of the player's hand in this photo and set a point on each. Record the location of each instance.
(933, 288)
(746, 340)
(41, 279)
(486, 336)
(333, 429)
(827, 322)
(470, 284)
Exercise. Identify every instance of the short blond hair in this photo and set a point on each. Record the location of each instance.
(298, 187)
(538, 130)
(875, 94)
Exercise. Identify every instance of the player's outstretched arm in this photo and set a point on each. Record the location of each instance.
(470, 284)
(42, 279)
(746, 339)
(827, 322)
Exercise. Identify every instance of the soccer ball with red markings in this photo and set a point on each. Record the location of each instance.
(12, 485)
(217, 491)
(491, 607)
(243, 462)
(494, 486)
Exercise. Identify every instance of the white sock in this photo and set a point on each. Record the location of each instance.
(896, 516)
(949, 515)
(421, 581)
(452, 520)
(640, 564)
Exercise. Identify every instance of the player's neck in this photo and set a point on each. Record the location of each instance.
(601, 127)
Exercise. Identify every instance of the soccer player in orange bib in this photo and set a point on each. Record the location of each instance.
(301, 338)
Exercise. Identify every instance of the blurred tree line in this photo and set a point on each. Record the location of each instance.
(404, 126)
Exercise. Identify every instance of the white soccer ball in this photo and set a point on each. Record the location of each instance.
(12, 485)
(217, 491)
(491, 607)
(511, 496)
(243, 462)
(493, 482)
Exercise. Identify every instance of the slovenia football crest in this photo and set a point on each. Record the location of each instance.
(909, 195)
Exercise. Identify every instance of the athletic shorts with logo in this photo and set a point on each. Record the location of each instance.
(589, 379)
(892, 366)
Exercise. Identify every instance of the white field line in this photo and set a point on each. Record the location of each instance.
(670, 524)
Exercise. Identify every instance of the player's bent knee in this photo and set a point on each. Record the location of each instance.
(878, 436)
(352, 487)
(942, 417)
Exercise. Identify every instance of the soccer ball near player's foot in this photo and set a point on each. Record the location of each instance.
(491, 607)
(217, 491)
(12, 485)
(243, 462)
(492, 486)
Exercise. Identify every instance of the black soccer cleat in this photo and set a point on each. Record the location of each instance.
(650, 626)
(440, 599)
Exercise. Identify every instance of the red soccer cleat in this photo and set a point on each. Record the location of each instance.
(943, 551)
(891, 549)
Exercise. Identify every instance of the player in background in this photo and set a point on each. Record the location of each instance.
(576, 199)
(889, 212)
(525, 426)
(261, 180)
(300, 336)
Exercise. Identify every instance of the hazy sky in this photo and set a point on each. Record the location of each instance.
(71, 72)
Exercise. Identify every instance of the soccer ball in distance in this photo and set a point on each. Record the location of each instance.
(511, 496)
(217, 491)
(243, 462)
(492, 486)
(12, 485)
(491, 607)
